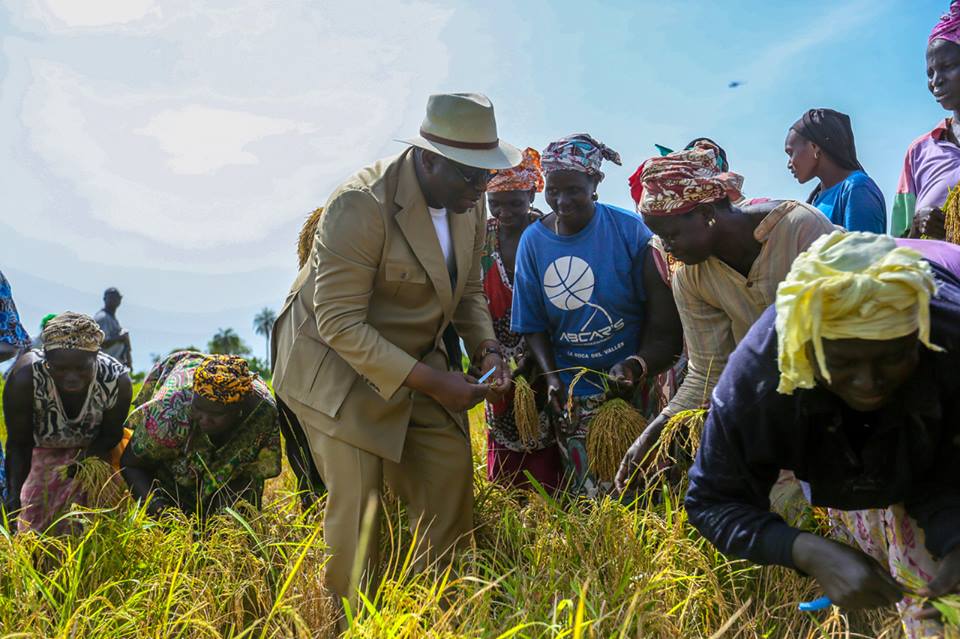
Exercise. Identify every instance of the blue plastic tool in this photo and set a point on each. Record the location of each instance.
(817, 604)
(486, 375)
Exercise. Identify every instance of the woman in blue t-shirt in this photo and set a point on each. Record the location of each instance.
(820, 145)
(587, 295)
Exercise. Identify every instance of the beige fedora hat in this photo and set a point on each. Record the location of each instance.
(463, 128)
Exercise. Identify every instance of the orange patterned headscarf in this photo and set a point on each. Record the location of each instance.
(526, 176)
(223, 378)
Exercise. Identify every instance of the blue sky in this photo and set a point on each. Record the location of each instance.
(172, 148)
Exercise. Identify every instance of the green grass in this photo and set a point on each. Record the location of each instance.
(538, 569)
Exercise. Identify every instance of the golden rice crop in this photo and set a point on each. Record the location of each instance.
(305, 239)
(951, 216)
(540, 567)
(614, 426)
(682, 432)
(98, 480)
(525, 413)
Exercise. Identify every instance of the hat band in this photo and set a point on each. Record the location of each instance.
(457, 144)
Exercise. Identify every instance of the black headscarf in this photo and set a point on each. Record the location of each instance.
(832, 132)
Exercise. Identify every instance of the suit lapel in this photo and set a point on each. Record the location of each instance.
(414, 221)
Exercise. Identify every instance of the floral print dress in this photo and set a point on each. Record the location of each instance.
(191, 468)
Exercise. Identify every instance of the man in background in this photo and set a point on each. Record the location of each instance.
(116, 342)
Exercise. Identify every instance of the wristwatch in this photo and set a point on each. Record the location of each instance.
(490, 350)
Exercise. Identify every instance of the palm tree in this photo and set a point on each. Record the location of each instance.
(263, 325)
(226, 341)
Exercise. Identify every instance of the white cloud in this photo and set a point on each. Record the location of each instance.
(246, 126)
(201, 140)
(91, 13)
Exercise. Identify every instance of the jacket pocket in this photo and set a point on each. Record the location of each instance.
(317, 376)
(404, 273)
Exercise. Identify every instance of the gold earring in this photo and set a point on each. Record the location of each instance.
(711, 221)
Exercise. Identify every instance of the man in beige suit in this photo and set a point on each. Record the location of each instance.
(359, 354)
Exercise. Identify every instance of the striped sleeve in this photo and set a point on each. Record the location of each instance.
(905, 201)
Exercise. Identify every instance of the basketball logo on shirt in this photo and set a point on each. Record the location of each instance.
(568, 283)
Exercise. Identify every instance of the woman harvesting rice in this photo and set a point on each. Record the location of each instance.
(733, 258)
(931, 166)
(510, 452)
(205, 434)
(588, 295)
(851, 381)
(820, 145)
(62, 404)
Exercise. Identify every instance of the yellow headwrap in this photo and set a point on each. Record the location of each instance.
(849, 285)
(74, 331)
(223, 378)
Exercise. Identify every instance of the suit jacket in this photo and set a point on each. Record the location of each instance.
(372, 301)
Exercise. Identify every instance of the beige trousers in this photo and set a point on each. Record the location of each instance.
(434, 479)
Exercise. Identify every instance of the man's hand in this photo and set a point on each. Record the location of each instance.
(929, 222)
(625, 377)
(946, 582)
(637, 461)
(500, 381)
(849, 577)
(458, 392)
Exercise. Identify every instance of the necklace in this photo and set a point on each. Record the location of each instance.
(556, 224)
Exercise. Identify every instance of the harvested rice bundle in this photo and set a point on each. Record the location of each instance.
(951, 215)
(614, 427)
(96, 478)
(525, 413)
(683, 432)
(305, 239)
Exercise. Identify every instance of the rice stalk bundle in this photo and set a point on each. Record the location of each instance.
(525, 413)
(305, 239)
(682, 432)
(951, 217)
(97, 479)
(614, 427)
(947, 605)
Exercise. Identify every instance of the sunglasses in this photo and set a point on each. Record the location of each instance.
(473, 177)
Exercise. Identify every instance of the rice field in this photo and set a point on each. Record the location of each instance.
(539, 568)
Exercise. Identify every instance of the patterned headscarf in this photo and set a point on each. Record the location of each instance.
(948, 28)
(680, 181)
(849, 286)
(578, 152)
(223, 378)
(74, 331)
(526, 176)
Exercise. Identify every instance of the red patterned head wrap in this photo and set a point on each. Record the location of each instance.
(526, 176)
(680, 181)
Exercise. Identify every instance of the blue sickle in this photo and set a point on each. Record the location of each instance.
(486, 375)
(817, 604)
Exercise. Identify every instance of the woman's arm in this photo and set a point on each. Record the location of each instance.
(7, 351)
(140, 475)
(18, 411)
(111, 428)
(661, 341)
(541, 349)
